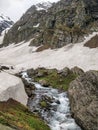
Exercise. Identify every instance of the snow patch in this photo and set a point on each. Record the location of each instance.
(37, 25)
(22, 56)
(43, 6)
(19, 28)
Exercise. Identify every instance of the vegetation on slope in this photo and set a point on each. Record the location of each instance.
(18, 117)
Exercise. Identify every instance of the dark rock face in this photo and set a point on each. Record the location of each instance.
(29, 88)
(65, 22)
(83, 94)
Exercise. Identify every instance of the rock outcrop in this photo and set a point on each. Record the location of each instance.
(66, 21)
(83, 95)
(76, 70)
(92, 43)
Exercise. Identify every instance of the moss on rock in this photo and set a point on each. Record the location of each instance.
(43, 104)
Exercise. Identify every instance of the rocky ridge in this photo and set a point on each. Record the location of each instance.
(5, 22)
(66, 21)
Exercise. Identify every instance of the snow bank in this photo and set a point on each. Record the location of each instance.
(43, 5)
(12, 87)
(23, 57)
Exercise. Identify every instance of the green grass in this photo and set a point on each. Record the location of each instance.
(56, 80)
(15, 115)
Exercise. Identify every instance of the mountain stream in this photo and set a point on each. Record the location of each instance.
(55, 109)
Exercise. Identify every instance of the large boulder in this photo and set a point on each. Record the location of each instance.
(12, 87)
(83, 95)
(44, 83)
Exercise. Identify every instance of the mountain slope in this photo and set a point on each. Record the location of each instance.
(66, 21)
(5, 22)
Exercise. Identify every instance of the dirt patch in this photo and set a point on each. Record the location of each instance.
(92, 43)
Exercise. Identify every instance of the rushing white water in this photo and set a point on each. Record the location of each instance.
(57, 112)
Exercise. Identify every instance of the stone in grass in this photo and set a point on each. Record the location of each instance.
(44, 83)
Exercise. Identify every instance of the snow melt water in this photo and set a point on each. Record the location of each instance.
(57, 115)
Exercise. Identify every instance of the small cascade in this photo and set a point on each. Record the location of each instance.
(53, 106)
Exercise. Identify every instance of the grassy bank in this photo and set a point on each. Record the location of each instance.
(18, 117)
(52, 77)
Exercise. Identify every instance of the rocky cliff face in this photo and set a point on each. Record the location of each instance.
(83, 94)
(61, 23)
(5, 22)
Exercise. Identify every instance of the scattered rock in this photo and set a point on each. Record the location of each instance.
(76, 70)
(44, 83)
(83, 95)
(4, 68)
(64, 72)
